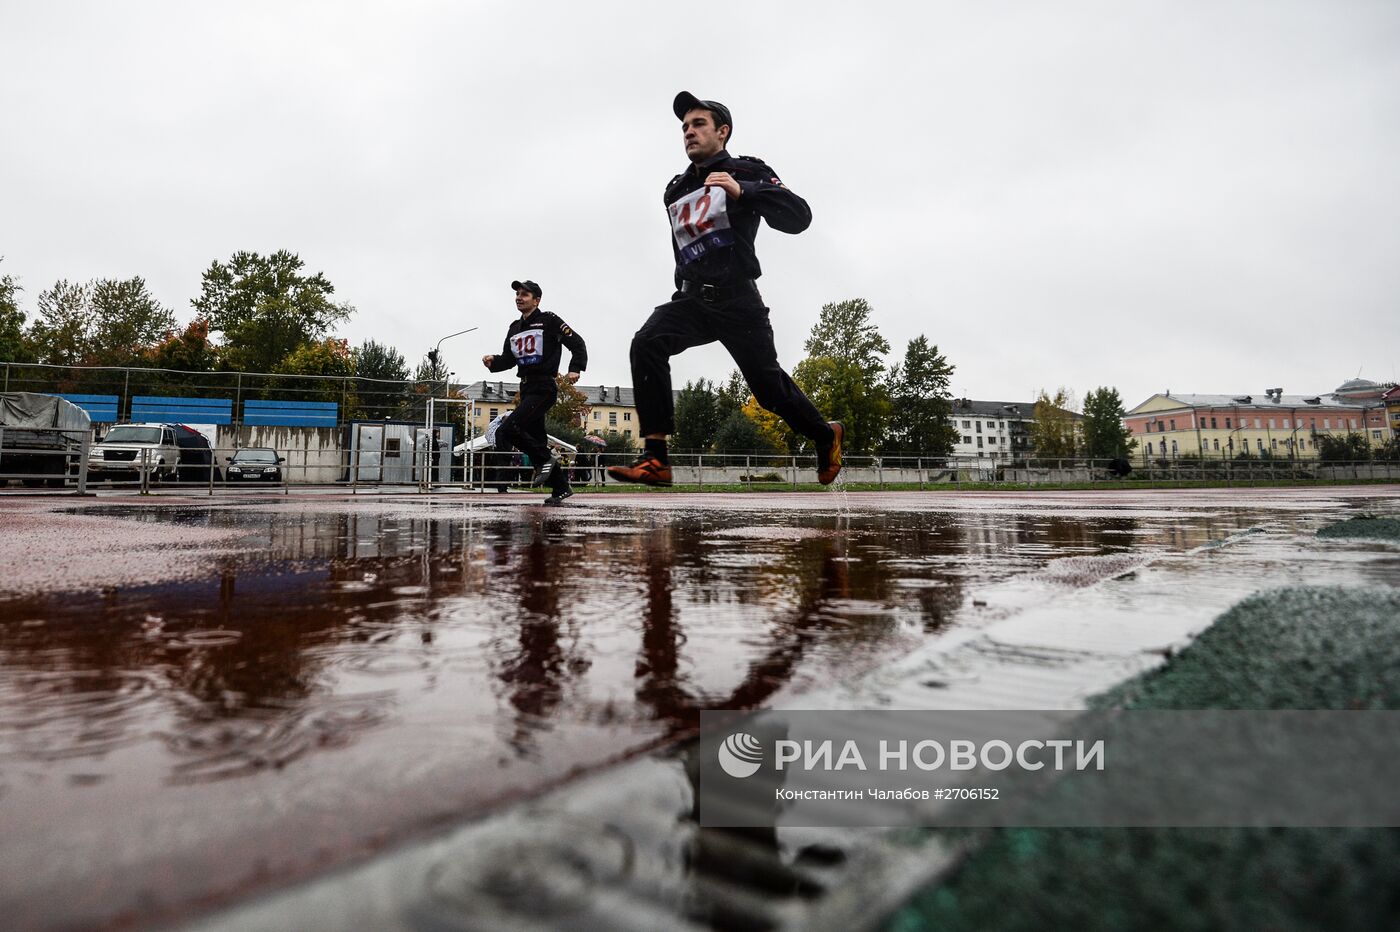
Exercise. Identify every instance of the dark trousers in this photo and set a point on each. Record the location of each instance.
(524, 428)
(743, 329)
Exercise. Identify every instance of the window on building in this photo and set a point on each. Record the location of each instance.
(1217, 444)
(495, 412)
(597, 415)
(627, 433)
(476, 412)
(966, 424)
(1273, 444)
(1352, 423)
(979, 443)
(627, 415)
(391, 446)
(979, 427)
(612, 418)
(1375, 435)
(1272, 425)
(966, 438)
(1212, 423)
(1173, 425)
(1327, 423)
(1227, 423)
(1286, 425)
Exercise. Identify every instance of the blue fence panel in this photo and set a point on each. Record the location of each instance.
(291, 413)
(155, 408)
(101, 408)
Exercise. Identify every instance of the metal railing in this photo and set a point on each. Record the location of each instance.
(71, 462)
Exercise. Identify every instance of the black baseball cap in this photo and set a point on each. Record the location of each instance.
(686, 102)
(529, 286)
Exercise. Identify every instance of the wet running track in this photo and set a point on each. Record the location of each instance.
(204, 700)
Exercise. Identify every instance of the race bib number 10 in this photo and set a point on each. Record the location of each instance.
(700, 223)
(528, 346)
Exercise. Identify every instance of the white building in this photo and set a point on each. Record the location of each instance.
(997, 431)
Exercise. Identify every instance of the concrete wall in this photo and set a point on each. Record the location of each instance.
(314, 454)
(1360, 471)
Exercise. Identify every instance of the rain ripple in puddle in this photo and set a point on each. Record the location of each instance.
(269, 739)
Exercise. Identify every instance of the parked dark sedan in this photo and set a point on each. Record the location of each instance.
(255, 464)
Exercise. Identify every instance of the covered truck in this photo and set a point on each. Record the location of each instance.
(40, 437)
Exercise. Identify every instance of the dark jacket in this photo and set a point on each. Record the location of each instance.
(711, 235)
(533, 343)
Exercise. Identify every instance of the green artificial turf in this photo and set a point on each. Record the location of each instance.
(1302, 648)
(1366, 526)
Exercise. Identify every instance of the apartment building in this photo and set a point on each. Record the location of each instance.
(1169, 425)
(992, 430)
(612, 407)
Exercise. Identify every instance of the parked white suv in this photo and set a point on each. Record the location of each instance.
(119, 454)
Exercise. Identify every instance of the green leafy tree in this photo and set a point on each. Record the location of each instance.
(1106, 437)
(330, 358)
(844, 373)
(266, 307)
(1052, 431)
(919, 390)
(126, 321)
(1346, 448)
(739, 435)
(14, 343)
(844, 331)
(62, 332)
(730, 397)
(697, 416)
(1388, 452)
(380, 361)
(380, 374)
(106, 322)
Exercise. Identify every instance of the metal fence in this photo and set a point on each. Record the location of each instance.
(357, 398)
(72, 463)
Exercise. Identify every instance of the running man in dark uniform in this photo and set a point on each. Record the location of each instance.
(714, 207)
(533, 346)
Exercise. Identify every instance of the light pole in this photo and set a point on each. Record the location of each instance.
(433, 356)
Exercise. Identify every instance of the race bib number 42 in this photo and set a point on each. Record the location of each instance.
(700, 223)
(528, 346)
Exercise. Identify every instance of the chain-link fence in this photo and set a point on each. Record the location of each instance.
(356, 398)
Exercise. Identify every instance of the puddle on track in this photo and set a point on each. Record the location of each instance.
(349, 675)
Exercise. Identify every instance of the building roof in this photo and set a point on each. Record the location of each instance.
(1006, 409)
(1259, 401)
(1358, 387)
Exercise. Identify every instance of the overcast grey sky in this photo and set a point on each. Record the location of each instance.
(1196, 196)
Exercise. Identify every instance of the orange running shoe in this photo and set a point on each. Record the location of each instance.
(829, 460)
(648, 471)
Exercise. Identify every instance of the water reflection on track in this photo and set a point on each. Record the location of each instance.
(347, 676)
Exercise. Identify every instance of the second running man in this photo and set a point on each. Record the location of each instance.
(532, 346)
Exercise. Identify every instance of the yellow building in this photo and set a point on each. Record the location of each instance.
(611, 407)
(1170, 425)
